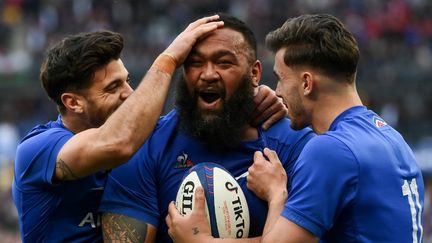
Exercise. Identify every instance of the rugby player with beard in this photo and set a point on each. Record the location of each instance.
(210, 124)
(220, 129)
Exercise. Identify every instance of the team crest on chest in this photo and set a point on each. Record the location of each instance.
(183, 161)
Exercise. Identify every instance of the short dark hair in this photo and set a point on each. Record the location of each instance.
(320, 41)
(236, 24)
(70, 65)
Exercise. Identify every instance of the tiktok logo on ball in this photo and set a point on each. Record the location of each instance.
(238, 210)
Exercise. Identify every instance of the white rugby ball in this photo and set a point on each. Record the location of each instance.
(226, 205)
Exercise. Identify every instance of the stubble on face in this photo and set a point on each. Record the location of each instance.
(296, 111)
(101, 99)
(289, 90)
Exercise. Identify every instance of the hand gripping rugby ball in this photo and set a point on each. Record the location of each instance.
(226, 205)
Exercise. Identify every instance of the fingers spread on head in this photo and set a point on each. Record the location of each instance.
(206, 29)
(203, 20)
(209, 27)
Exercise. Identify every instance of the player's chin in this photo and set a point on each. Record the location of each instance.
(210, 113)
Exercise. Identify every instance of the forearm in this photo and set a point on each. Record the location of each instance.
(121, 228)
(135, 119)
(275, 208)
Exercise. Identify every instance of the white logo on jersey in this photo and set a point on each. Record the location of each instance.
(90, 219)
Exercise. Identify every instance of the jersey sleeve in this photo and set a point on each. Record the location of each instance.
(131, 189)
(324, 181)
(36, 158)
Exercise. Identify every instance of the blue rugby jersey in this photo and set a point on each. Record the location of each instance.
(144, 187)
(358, 182)
(63, 212)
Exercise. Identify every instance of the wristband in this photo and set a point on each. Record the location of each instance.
(165, 62)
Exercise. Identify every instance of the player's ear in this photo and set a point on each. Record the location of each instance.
(256, 73)
(307, 83)
(73, 102)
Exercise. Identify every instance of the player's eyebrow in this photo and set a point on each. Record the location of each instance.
(217, 54)
(115, 82)
(223, 53)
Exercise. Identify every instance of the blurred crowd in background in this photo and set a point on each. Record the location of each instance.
(395, 39)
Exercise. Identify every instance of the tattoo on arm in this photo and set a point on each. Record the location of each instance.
(121, 228)
(65, 172)
(195, 230)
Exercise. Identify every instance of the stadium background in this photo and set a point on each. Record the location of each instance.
(395, 39)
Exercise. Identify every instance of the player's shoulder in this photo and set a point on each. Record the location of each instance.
(327, 155)
(166, 123)
(360, 127)
(38, 151)
(165, 128)
(327, 146)
(43, 135)
(155, 145)
(325, 141)
(171, 116)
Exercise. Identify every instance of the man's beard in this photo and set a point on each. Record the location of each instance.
(218, 129)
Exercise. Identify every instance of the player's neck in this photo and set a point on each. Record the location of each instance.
(327, 108)
(74, 123)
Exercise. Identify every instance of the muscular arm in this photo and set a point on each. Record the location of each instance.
(124, 131)
(121, 228)
(127, 128)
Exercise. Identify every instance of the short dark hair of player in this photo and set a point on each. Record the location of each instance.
(236, 24)
(319, 41)
(70, 65)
